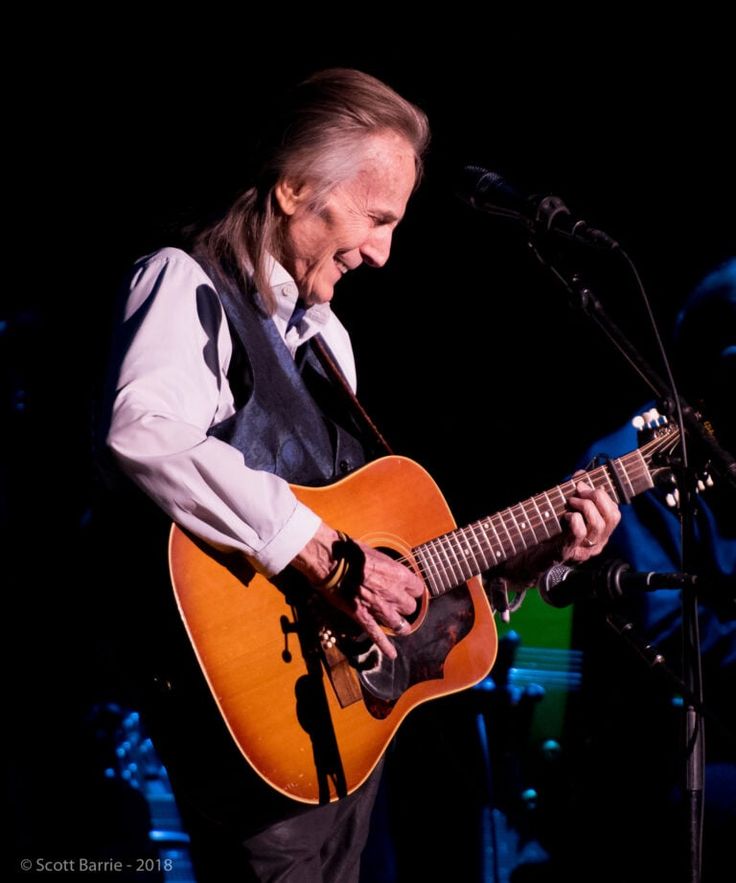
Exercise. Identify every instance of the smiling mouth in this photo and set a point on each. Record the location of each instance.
(341, 265)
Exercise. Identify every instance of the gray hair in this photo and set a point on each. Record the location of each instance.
(318, 139)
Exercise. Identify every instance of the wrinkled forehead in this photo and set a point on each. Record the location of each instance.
(386, 167)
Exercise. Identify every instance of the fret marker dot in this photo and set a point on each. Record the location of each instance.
(523, 525)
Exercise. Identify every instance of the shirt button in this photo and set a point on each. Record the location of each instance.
(344, 466)
(288, 290)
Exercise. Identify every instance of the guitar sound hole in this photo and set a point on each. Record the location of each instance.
(398, 556)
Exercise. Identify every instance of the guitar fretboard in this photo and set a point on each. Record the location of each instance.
(451, 559)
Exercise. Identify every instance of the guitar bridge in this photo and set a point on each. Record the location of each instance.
(341, 673)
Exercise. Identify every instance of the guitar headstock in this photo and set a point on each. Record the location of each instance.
(659, 440)
(649, 424)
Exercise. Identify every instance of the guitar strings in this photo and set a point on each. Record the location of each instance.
(597, 477)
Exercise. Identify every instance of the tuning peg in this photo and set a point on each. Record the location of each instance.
(672, 499)
(708, 480)
(638, 423)
(700, 486)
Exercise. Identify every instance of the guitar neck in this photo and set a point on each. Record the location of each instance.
(453, 558)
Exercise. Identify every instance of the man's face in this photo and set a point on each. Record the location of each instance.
(355, 225)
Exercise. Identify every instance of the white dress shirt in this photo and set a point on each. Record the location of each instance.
(167, 397)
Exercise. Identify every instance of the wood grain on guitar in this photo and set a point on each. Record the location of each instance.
(312, 704)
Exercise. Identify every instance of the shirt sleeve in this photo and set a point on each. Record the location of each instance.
(170, 389)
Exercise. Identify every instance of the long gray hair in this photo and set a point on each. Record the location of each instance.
(316, 139)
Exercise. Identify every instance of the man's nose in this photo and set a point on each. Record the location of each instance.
(377, 247)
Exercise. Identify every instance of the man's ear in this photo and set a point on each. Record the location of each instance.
(290, 196)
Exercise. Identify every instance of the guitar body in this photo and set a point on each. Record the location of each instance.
(311, 726)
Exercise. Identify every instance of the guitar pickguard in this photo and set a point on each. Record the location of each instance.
(421, 655)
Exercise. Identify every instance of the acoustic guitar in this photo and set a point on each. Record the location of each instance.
(310, 701)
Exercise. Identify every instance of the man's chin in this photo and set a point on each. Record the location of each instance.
(323, 295)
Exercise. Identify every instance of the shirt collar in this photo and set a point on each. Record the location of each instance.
(286, 295)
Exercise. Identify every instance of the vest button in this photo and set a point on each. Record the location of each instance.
(344, 466)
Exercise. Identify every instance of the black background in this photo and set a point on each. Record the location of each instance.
(468, 356)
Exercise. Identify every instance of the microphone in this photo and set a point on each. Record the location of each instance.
(561, 585)
(488, 192)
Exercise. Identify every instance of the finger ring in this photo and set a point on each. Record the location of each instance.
(589, 543)
(402, 626)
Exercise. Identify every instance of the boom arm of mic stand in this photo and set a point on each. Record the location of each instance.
(583, 298)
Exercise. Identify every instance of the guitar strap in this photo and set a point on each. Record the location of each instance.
(327, 360)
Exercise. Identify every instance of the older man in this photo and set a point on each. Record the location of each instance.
(219, 404)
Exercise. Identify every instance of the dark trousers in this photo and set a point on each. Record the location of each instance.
(321, 844)
(240, 828)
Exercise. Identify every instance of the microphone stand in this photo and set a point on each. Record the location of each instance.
(584, 299)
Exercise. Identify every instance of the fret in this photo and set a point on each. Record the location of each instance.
(473, 560)
(601, 477)
(432, 549)
(496, 546)
(535, 517)
(510, 512)
(621, 477)
(512, 552)
(543, 525)
(448, 562)
(433, 567)
(431, 579)
(549, 514)
(593, 478)
(638, 467)
(460, 551)
(588, 478)
(611, 489)
(522, 525)
(452, 562)
(475, 527)
(561, 506)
